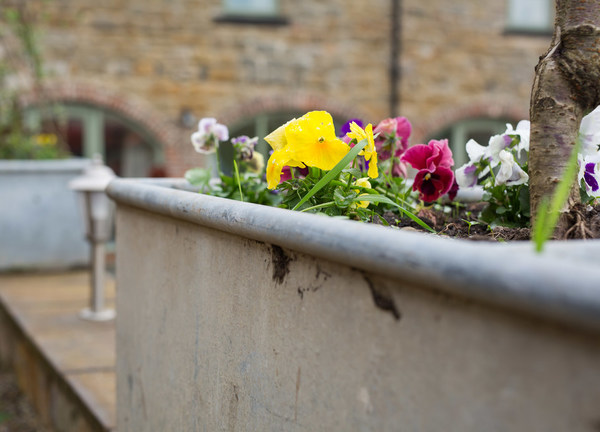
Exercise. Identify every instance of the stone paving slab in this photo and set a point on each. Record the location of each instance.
(44, 309)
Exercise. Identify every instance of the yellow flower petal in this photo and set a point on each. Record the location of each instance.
(274, 166)
(356, 132)
(279, 159)
(369, 151)
(277, 139)
(373, 171)
(312, 140)
(364, 183)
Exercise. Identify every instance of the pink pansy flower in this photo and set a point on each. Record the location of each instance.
(392, 137)
(433, 162)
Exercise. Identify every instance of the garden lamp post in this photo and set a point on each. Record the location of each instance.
(98, 214)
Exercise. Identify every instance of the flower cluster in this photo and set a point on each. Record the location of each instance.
(247, 182)
(501, 168)
(360, 174)
(504, 150)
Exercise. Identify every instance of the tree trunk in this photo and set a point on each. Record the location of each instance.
(566, 87)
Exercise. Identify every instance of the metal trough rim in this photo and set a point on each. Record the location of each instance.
(563, 284)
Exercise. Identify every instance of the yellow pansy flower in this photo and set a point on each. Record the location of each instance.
(363, 182)
(309, 140)
(313, 141)
(369, 152)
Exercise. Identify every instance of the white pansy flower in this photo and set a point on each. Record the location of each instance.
(206, 138)
(510, 173)
(589, 132)
(523, 130)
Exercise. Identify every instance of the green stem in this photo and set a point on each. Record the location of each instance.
(218, 160)
(237, 179)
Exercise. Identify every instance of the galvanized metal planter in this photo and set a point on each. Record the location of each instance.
(41, 225)
(233, 315)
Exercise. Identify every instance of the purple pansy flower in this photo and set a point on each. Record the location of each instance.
(589, 172)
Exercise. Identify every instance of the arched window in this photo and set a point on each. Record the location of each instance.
(480, 129)
(125, 145)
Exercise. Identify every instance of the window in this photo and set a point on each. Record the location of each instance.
(251, 12)
(478, 129)
(530, 16)
(126, 147)
(250, 7)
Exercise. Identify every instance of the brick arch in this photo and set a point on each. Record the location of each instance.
(127, 106)
(288, 102)
(444, 118)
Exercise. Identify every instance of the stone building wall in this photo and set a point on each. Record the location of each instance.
(155, 59)
(459, 61)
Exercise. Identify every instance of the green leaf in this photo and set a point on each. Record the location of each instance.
(343, 198)
(354, 172)
(333, 173)
(197, 176)
(386, 200)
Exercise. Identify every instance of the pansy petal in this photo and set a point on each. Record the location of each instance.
(466, 176)
(591, 182)
(373, 171)
(277, 139)
(475, 151)
(324, 155)
(417, 156)
(274, 166)
(432, 185)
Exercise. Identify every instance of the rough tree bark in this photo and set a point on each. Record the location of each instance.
(566, 87)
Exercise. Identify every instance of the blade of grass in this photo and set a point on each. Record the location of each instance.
(333, 173)
(319, 206)
(549, 211)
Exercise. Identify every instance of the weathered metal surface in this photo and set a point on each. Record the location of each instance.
(41, 225)
(240, 317)
(561, 283)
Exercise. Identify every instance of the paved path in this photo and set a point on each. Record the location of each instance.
(47, 330)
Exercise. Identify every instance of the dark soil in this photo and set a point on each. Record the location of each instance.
(16, 414)
(584, 223)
